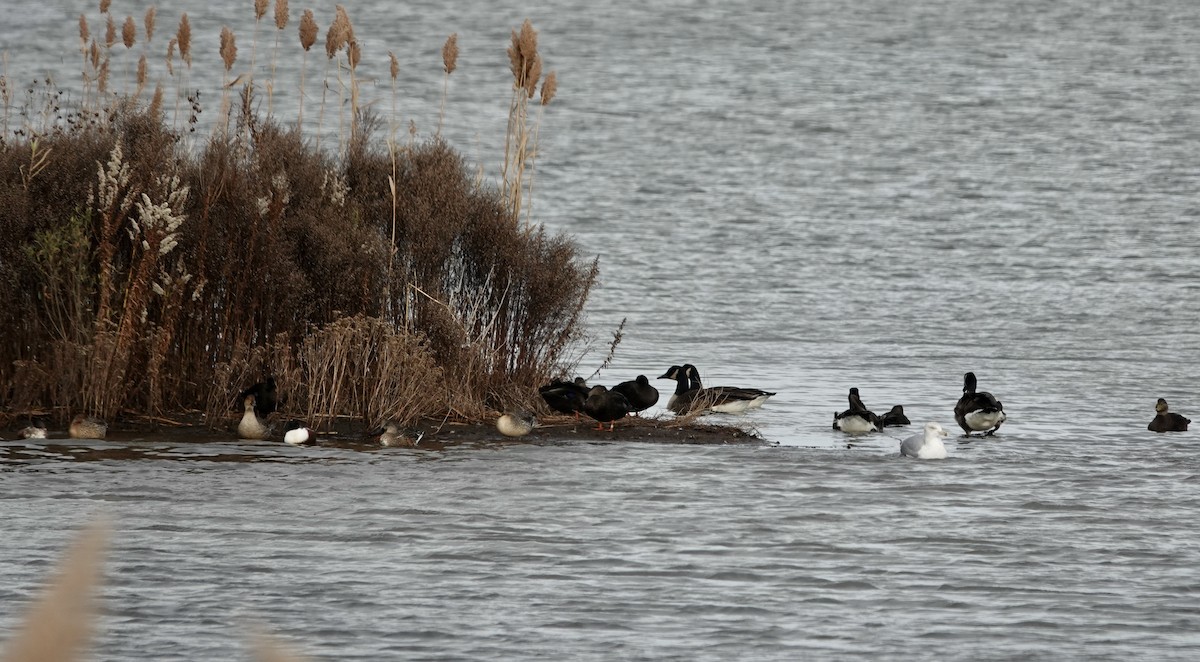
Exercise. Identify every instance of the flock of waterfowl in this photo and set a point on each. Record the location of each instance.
(975, 412)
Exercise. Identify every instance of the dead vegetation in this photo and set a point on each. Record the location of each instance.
(154, 271)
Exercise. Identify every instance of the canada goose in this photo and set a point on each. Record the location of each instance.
(978, 411)
(1165, 421)
(728, 399)
(857, 419)
(516, 424)
(565, 397)
(895, 417)
(681, 400)
(692, 397)
(605, 406)
(640, 394)
(926, 445)
(87, 427)
(251, 426)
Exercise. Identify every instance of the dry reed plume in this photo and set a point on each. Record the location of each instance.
(58, 626)
(281, 21)
(308, 37)
(129, 32)
(520, 145)
(148, 21)
(449, 64)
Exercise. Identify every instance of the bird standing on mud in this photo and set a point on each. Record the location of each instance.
(605, 406)
(565, 397)
(640, 394)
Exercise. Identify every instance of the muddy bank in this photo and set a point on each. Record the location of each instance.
(434, 434)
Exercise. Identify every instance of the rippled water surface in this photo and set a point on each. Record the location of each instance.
(801, 197)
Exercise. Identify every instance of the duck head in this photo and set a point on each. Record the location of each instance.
(969, 382)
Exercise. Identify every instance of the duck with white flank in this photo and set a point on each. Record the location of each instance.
(1165, 421)
(35, 430)
(857, 419)
(894, 417)
(251, 426)
(978, 411)
(926, 445)
(516, 423)
(728, 398)
(640, 394)
(296, 434)
(605, 406)
(565, 397)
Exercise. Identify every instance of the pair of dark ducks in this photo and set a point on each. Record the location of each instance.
(975, 411)
(601, 403)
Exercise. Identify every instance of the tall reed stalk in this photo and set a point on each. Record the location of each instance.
(308, 37)
(449, 64)
(526, 65)
(281, 21)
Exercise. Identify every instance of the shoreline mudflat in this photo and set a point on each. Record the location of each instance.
(435, 433)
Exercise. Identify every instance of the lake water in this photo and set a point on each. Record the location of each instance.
(801, 197)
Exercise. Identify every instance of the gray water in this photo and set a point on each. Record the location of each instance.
(801, 197)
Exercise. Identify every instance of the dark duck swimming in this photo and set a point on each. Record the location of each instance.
(857, 419)
(1167, 421)
(895, 417)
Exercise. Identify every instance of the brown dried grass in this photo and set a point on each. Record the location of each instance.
(129, 32)
(228, 48)
(308, 30)
(84, 33)
(281, 14)
(419, 244)
(450, 54)
(183, 37)
(149, 20)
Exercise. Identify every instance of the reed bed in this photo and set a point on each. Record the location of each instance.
(154, 271)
